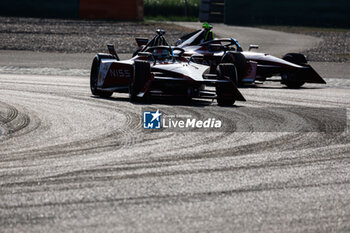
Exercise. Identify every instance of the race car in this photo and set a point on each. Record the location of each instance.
(251, 66)
(161, 70)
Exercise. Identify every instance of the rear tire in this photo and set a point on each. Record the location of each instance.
(290, 79)
(239, 60)
(142, 73)
(228, 69)
(296, 58)
(95, 67)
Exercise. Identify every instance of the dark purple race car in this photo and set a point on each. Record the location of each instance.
(251, 67)
(161, 70)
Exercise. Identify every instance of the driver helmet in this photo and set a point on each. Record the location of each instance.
(207, 26)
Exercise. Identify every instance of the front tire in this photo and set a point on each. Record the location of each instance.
(142, 73)
(290, 80)
(224, 95)
(95, 67)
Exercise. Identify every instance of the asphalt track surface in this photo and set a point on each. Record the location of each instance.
(73, 162)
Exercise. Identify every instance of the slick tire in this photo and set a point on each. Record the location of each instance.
(295, 58)
(228, 69)
(225, 102)
(94, 76)
(142, 73)
(239, 60)
(290, 79)
(224, 95)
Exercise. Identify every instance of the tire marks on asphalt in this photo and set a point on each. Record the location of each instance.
(82, 152)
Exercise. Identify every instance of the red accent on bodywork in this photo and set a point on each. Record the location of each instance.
(119, 74)
(251, 71)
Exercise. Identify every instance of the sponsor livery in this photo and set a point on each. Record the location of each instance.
(251, 66)
(161, 70)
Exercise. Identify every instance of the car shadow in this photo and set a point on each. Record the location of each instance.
(169, 101)
(270, 87)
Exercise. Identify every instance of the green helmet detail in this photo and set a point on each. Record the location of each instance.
(207, 26)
